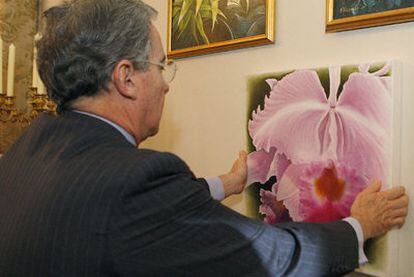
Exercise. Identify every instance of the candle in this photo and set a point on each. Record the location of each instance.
(1, 66)
(34, 73)
(40, 87)
(10, 70)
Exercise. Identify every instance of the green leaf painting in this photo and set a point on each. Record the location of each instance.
(200, 22)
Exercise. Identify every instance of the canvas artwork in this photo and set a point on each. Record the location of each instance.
(348, 8)
(344, 15)
(205, 26)
(317, 137)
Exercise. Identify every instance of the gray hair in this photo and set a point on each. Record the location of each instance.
(84, 39)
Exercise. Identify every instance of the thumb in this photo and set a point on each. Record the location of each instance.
(243, 155)
(373, 187)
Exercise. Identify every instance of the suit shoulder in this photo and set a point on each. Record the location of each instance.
(148, 165)
(154, 158)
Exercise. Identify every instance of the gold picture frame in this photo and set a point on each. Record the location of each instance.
(190, 22)
(384, 16)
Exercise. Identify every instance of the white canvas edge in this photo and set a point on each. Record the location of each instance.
(393, 237)
(392, 243)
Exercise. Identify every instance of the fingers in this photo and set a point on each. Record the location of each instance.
(238, 162)
(241, 159)
(401, 202)
(401, 212)
(379, 211)
(393, 193)
(373, 187)
(398, 222)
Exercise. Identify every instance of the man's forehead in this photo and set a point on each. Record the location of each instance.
(157, 50)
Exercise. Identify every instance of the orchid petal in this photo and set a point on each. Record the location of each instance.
(287, 186)
(386, 80)
(363, 144)
(260, 166)
(364, 68)
(288, 191)
(274, 210)
(364, 123)
(329, 134)
(292, 204)
(367, 95)
(271, 82)
(384, 70)
(268, 206)
(334, 82)
(295, 108)
(282, 163)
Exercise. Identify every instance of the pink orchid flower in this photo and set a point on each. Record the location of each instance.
(322, 150)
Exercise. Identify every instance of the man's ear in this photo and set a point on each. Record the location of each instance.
(122, 79)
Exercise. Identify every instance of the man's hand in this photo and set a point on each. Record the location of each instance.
(379, 211)
(235, 181)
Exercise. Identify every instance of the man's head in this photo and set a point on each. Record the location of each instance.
(84, 39)
(105, 49)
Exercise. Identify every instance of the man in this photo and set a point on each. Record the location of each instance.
(77, 198)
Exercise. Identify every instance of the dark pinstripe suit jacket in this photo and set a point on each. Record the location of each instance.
(76, 199)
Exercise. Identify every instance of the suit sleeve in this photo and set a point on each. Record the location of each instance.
(203, 183)
(165, 223)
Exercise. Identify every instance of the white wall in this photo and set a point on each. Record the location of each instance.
(204, 117)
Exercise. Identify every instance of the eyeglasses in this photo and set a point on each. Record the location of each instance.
(168, 67)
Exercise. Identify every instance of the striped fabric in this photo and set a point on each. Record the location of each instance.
(77, 199)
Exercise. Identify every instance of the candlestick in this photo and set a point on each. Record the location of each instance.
(10, 70)
(37, 37)
(1, 66)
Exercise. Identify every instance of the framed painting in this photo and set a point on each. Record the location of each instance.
(344, 15)
(316, 138)
(197, 27)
